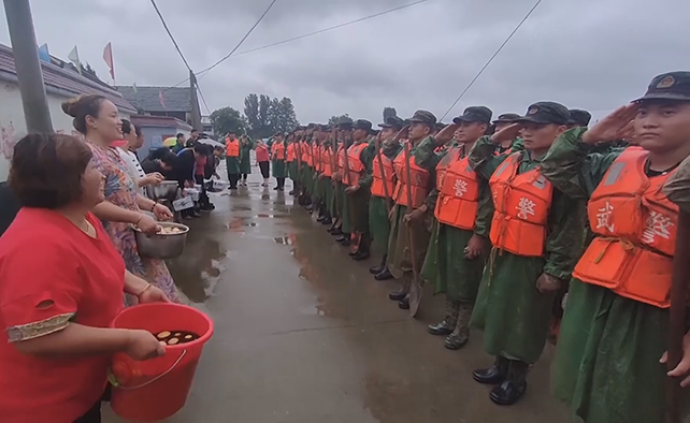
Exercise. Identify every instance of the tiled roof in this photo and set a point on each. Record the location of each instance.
(148, 99)
(159, 121)
(62, 79)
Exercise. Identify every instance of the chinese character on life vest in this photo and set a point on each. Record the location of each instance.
(657, 224)
(604, 217)
(460, 188)
(525, 208)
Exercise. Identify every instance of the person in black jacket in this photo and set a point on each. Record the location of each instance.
(9, 206)
(161, 160)
(185, 171)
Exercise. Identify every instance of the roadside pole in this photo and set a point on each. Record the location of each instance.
(28, 66)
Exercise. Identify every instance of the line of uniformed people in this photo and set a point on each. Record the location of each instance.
(505, 217)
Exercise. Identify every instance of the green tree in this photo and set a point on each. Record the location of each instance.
(389, 112)
(227, 120)
(335, 120)
(251, 113)
(265, 128)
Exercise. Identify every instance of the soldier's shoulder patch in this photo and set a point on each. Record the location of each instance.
(667, 82)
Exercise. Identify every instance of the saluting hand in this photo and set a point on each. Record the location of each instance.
(403, 134)
(617, 125)
(508, 133)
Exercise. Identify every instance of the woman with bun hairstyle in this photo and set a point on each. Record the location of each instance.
(97, 118)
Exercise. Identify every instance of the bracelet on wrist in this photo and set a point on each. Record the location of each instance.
(148, 285)
(153, 207)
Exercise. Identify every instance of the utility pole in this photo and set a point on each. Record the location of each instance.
(28, 66)
(196, 109)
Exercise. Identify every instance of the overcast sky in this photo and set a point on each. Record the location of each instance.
(591, 54)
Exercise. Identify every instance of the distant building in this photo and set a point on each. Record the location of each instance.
(207, 126)
(62, 82)
(156, 129)
(160, 101)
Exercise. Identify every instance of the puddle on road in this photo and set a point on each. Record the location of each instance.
(198, 271)
(271, 216)
(239, 223)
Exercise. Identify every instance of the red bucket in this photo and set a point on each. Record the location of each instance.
(153, 390)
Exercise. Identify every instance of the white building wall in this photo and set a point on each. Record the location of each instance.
(13, 125)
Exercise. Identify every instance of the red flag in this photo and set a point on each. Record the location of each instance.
(161, 98)
(108, 57)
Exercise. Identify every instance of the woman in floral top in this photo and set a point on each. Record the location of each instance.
(97, 118)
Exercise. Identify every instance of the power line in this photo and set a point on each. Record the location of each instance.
(481, 71)
(320, 31)
(203, 100)
(165, 25)
(242, 40)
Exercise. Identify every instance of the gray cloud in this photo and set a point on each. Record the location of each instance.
(593, 54)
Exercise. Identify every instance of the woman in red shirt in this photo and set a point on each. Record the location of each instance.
(61, 286)
(263, 160)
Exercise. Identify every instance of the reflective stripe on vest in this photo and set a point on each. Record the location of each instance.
(459, 196)
(419, 183)
(232, 147)
(522, 203)
(355, 164)
(635, 226)
(449, 158)
(388, 177)
(278, 151)
(291, 153)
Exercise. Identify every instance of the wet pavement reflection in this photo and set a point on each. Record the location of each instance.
(304, 334)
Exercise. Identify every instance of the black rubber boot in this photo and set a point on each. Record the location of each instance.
(384, 276)
(461, 333)
(404, 304)
(363, 251)
(497, 373)
(514, 387)
(375, 270)
(449, 321)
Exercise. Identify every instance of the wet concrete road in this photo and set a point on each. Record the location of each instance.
(304, 334)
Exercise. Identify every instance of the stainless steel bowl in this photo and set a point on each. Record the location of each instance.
(166, 189)
(162, 246)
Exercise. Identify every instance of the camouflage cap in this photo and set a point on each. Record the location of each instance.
(393, 122)
(506, 118)
(325, 128)
(579, 117)
(363, 124)
(439, 126)
(475, 114)
(422, 116)
(546, 112)
(668, 86)
(312, 126)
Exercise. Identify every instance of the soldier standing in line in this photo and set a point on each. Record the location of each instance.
(616, 320)
(278, 157)
(382, 186)
(459, 243)
(345, 133)
(358, 193)
(411, 216)
(534, 238)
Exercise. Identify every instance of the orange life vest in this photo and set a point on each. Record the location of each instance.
(232, 147)
(635, 226)
(327, 165)
(278, 151)
(459, 196)
(341, 164)
(387, 179)
(306, 154)
(522, 203)
(419, 183)
(451, 157)
(318, 159)
(291, 153)
(355, 163)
